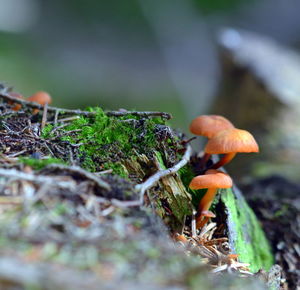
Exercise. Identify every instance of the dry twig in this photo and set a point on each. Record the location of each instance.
(79, 170)
(44, 118)
(38, 179)
(151, 181)
(4, 95)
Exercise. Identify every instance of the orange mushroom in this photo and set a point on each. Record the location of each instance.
(212, 180)
(204, 217)
(41, 98)
(181, 238)
(209, 126)
(16, 107)
(230, 142)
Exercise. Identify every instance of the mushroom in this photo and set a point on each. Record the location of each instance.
(16, 107)
(41, 98)
(204, 217)
(212, 180)
(230, 142)
(209, 126)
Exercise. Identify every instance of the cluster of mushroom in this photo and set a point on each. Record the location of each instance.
(40, 97)
(223, 138)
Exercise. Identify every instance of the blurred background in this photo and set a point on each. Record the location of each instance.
(171, 55)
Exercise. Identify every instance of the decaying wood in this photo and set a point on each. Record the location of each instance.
(151, 181)
(67, 207)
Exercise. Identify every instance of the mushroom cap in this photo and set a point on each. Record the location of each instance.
(231, 141)
(211, 179)
(41, 98)
(209, 125)
(16, 95)
(208, 213)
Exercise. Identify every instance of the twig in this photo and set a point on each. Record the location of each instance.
(4, 95)
(44, 118)
(68, 119)
(164, 115)
(58, 128)
(65, 133)
(49, 149)
(108, 211)
(151, 181)
(56, 117)
(82, 172)
(56, 121)
(125, 204)
(41, 179)
(6, 127)
(71, 158)
(16, 154)
(104, 172)
(193, 225)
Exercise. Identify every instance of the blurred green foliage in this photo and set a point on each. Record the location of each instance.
(209, 6)
(122, 13)
(37, 60)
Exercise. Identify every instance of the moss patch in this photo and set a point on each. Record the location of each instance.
(186, 174)
(245, 233)
(38, 164)
(105, 141)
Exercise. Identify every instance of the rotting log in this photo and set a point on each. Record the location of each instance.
(88, 213)
(260, 92)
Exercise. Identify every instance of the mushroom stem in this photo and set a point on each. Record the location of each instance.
(207, 200)
(203, 218)
(224, 160)
(201, 221)
(204, 160)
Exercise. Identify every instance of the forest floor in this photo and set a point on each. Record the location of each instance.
(73, 216)
(276, 202)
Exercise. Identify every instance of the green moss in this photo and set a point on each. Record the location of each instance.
(186, 174)
(282, 211)
(117, 168)
(38, 164)
(160, 160)
(108, 140)
(46, 132)
(245, 232)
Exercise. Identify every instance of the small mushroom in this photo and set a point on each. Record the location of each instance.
(181, 238)
(209, 126)
(16, 107)
(41, 98)
(212, 180)
(205, 216)
(230, 142)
